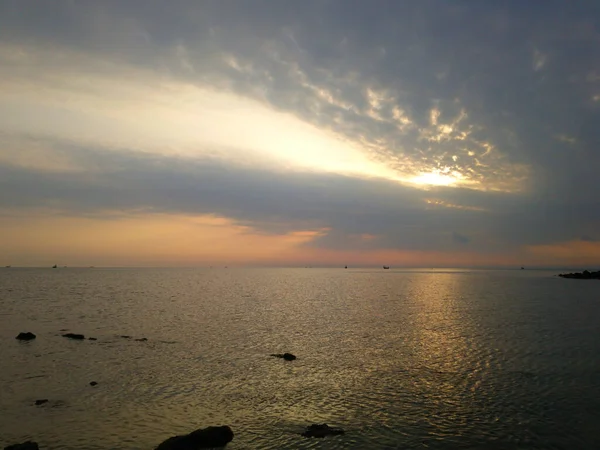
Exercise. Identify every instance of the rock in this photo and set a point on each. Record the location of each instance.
(125, 336)
(78, 337)
(286, 356)
(585, 275)
(93, 383)
(204, 438)
(29, 445)
(92, 339)
(25, 336)
(41, 401)
(321, 431)
(142, 339)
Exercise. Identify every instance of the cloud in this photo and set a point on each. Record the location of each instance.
(94, 182)
(427, 125)
(459, 238)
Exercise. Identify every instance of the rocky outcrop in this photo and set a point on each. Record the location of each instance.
(41, 401)
(29, 445)
(286, 356)
(93, 383)
(204, 438)
(78, 337)
(321, 431)
(25, 336)
(585, 275)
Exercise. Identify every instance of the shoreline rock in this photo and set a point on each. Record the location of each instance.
(26, 336)
(41, 401)
(203, 438)
(321, 431)
(585, 275)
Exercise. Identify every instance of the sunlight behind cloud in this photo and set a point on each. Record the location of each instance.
(92, 102)
(437, 178)
(146, 112)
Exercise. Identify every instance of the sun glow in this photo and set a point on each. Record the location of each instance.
(437, 178)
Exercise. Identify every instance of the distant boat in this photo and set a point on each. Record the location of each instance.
(345, 267)
(386, 267)
(522, 268)
(55, 266)
(8, 267)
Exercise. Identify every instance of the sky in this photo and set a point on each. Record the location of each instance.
(417, 133)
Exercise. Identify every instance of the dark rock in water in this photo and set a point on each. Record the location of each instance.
(41, 401)
(26, 336)
(585, 275)
(29, 445)
(125, 336)
(92, 339)
(321, 431)
(286, 356)
(205, 438)
(79, 337)
(93, 383)
(142, 339)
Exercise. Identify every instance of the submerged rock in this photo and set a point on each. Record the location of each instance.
(92, 339)
(286, 356)
(41, 401)
(141, 339)
(29, 445)
(204, 438)
(25, 336)
(93, 383)
(321, 431)
(125, 336)
(78, 337)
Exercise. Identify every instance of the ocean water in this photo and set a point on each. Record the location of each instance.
(417, 359)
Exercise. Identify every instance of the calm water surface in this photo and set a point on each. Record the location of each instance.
(399, 359)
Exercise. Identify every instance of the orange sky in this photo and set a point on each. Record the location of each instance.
(168, 240)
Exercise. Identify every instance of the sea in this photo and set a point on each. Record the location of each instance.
(400, 359)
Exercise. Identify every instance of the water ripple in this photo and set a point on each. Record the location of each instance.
(405, 360)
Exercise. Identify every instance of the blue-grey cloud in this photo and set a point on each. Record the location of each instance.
(460, 238)
(110, 182)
